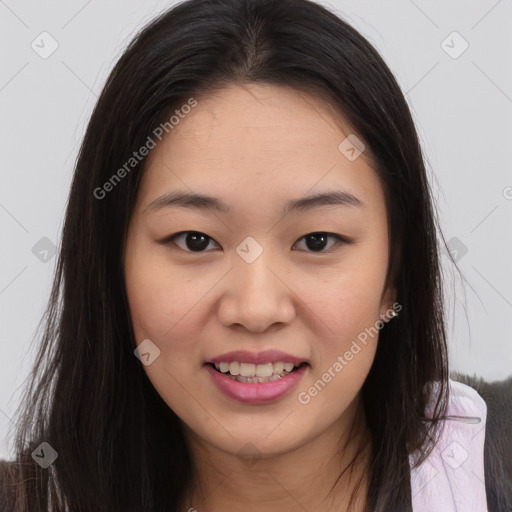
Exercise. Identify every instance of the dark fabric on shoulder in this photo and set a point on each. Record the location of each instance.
(498, 439)
(7, 485)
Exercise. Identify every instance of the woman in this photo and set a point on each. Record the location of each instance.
(247, 312)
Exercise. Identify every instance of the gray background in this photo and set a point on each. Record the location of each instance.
(461, 102)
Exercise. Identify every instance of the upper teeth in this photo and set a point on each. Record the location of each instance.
(254, 370)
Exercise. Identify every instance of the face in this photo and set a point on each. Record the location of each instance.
(266, 283)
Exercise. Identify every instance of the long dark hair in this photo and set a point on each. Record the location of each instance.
(120, 447)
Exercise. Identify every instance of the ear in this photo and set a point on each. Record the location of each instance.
(388, 299)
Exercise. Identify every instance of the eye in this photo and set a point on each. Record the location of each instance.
(195, 241)
(318, 240)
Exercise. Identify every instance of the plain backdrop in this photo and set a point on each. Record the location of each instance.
(451, 58)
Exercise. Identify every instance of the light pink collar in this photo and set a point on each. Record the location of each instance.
(452, 478)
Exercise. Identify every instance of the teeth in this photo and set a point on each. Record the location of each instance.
(278, 367)
(247, 369)
(234, 368)
(266, 371)
(254, 379)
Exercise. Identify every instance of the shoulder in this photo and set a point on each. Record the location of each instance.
(7, 485)
(497, 397)
(452, 476)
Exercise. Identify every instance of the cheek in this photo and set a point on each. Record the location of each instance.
(349, 307)
(167, 316)
(349, 348)
(163, 301)
(348, 301)
(345, 349)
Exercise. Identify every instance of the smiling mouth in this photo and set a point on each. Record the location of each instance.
(255, 373)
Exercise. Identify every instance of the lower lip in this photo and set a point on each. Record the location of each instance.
(256, 392)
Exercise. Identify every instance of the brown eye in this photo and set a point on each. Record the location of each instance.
(194, 241)
(316, 242)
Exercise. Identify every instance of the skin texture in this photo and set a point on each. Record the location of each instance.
(256, 147)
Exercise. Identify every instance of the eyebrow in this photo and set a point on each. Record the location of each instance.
(209, 203)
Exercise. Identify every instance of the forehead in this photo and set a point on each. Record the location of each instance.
(261, 141)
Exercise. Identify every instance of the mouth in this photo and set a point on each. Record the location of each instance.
(256, 383)
(256, 373)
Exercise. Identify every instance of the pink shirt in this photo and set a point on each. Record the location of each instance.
(452, 478)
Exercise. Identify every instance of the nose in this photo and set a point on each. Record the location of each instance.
(256, 296)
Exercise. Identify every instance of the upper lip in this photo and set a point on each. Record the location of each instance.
(267, 356)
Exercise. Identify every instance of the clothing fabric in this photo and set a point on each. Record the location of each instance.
(452, 478)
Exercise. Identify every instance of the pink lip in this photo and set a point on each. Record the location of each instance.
(267, 356)
(256, 392)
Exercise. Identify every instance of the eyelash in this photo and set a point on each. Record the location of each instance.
(340, 240)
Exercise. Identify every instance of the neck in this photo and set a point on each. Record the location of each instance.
(321, 474)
